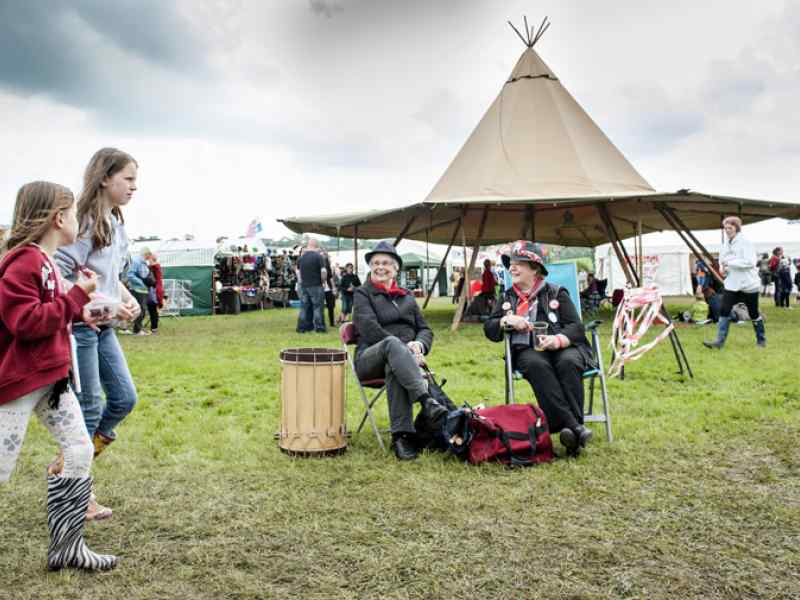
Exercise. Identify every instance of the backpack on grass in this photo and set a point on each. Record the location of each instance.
(430, 434)
(512, 434)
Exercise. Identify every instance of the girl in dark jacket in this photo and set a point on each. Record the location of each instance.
(393, 339)
(554, 363)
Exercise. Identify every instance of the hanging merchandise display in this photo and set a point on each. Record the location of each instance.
(640, 308)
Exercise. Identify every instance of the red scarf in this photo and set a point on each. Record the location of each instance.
(525, 299)
(393, 291)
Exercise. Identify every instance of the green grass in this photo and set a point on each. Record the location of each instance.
(698, 496)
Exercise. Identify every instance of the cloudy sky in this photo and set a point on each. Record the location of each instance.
(237, 109)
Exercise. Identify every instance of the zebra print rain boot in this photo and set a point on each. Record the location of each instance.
(67, 499)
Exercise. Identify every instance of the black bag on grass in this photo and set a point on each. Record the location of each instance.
(430, 434)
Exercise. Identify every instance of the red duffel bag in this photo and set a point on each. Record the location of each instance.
(513, 434)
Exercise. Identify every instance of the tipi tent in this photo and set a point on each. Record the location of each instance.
(538, 166)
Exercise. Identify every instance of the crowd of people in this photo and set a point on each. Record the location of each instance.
(775, 273)
(318, 286)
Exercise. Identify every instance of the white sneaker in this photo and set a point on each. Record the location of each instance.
(143, 332)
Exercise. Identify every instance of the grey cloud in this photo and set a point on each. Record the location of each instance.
(325, 8)
(654, 120)
(443, 112)
(734, 86)
(60, 49)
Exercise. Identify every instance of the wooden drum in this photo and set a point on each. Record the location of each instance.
(312, 401)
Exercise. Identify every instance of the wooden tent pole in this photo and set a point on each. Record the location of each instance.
(404, 230)
(442, 266)
(427, 259)
(527, 223)
(640, 251)
(631, 276)
(688, 232)
(622, 255)
(696, 249)
(355, 249)
(462, 303)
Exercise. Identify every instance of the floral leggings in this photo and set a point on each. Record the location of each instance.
(64, 423)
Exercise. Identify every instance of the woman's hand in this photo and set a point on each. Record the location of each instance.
(87, 280)
(418, 350)
(92, 321)
(549, 342)
(128, 311)
(516, 323)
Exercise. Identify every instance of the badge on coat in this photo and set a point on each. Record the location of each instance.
(552, 316)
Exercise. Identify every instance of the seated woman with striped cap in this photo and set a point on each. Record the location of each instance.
(554, 363)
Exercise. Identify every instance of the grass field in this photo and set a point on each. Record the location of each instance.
(698, 496)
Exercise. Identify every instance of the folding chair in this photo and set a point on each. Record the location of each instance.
(349, 337)
(590, 374)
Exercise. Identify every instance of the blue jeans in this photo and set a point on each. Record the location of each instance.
(312, 303)
(347, 303)
(103, 368)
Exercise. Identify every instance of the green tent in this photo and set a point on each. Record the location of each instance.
(188, 268)
(412, 275)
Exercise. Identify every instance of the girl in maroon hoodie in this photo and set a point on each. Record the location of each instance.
(37, 308)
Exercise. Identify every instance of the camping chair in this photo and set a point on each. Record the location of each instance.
(591, 374)
(349, 336)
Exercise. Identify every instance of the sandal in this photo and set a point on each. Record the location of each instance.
(97, 512)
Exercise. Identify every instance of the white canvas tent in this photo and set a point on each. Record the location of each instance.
(669, 266)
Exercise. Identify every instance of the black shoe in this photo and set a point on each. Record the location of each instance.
(404, 448)
(714, 344)
(570, 441)
(435, 411)
(584, 435)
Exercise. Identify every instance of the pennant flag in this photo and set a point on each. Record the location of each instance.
(254, 228)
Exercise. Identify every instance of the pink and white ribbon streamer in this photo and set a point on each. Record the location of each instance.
(640, 308)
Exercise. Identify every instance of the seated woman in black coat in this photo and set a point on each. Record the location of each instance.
(555, 373)
(393, 339)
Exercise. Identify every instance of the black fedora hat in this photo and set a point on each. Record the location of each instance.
(384, 248)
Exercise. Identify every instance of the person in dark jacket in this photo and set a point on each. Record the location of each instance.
(393, 339)
(347, 287)
(555, 372)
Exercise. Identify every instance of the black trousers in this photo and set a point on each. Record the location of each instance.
(141, 298)
(152, 309)
(555, 376)
(330, 302)
(730, 298)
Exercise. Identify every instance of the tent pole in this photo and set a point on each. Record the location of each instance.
(405, 229)
(355, 249)
(622, 255)
(442, 266)
(627, 267)
(465, 276)
(640, 252)
(697, 249)
(427, 259)
(527, 223)
(703, 250)
(462, 303)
